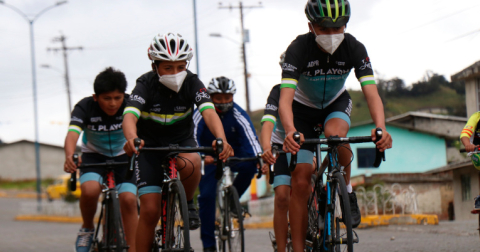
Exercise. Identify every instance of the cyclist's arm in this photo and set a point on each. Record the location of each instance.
(375, 106)
(286, 116)
(468, 130)
(248, 138)
(265, 137)
(70, 146)
(215, 126)
(129, 126)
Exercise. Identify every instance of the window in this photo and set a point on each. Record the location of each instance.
(465, 180)
(365, 157)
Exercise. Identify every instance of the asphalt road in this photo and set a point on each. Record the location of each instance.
(22, 236)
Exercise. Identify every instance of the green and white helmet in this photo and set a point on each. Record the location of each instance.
(328, 13)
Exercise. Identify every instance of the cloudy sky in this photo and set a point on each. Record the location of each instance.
(404, 39)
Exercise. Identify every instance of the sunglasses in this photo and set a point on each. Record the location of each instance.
(329, 23)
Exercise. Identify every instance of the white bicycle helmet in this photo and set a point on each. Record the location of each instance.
(170, 47)
(221, 85)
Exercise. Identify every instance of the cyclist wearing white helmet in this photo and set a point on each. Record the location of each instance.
(241, 135)
(470, 138)
(159, 111)
(313, 92)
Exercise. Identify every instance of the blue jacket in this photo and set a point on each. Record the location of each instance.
(238, 128)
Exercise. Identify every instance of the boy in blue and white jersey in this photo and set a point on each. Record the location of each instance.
(240, 134)
(100, 118)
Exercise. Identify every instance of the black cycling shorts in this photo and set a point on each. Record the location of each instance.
(98, 173)
(306, 118)
(149, 171)
(282, 172)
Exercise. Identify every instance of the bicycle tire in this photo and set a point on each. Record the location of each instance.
(177, 233)
(341, 223)
(311, 241)
(232, 227)
(115, 233)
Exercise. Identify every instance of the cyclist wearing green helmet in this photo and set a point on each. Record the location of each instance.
(313, 92)
(470, 138)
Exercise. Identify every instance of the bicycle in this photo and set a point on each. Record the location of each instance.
(113, 232)
(173, 234)
(477, 150)
(332, 231)
(229, 233)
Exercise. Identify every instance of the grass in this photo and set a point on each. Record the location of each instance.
(27, 185)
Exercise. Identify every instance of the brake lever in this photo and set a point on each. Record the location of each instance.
(379, 156)
(260, 162)
(202, 170)
(293, 159)
(220, 163)
(129, 173)
(73, 175)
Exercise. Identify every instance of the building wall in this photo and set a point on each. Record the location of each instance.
(471, 96)
(463, 207)
(18, 161)
(412, 152)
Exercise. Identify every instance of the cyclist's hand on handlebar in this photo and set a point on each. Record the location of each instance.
(69, 165)
(209, 160)
(129, 147)
(470, 147)
(227, 150)
(267, 156)
(385, 142)
(265, 168)
(289, 144)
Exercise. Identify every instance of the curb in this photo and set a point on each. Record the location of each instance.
(46, 218)
(23, 195)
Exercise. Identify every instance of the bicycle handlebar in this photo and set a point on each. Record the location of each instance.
(335, 140)
(107, 163)
(257, 158)
(175, 149)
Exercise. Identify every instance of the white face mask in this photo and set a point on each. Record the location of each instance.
(330, 42)
(173, 81)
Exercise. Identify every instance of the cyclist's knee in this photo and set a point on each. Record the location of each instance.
(90, 190)
(282, 201)
(128, 202)
(150, 207)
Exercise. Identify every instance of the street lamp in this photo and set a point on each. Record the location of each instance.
(34, 84)
(247, 99)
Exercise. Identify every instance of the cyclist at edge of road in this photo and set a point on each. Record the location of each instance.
(470, 138)
(313, 92)
(159, 112)
(241, 135)
(100, 118)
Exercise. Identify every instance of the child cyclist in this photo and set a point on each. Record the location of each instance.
(313, 91)
(470, 138)
(160, 111)
(100, 117)
(241, 135)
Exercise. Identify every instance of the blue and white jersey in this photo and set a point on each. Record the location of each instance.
(238, 128)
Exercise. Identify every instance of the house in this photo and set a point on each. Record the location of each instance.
(421, 142)
(466, 179)
(18, 160)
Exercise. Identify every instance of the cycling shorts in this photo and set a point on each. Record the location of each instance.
(306, 118)
(149, 171)
(281, 171)
(98, 173)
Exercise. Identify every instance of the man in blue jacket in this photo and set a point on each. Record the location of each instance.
(243, 139)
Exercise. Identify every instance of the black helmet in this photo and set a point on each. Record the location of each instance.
(328, 13)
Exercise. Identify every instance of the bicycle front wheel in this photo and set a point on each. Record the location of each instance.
(114, 232)
(177, 233)
(341, 221)
(232, 227)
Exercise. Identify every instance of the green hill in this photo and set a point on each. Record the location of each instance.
(443, 101)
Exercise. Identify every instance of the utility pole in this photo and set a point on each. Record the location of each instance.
(245, 39)
(64, 48)
(196, 37)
